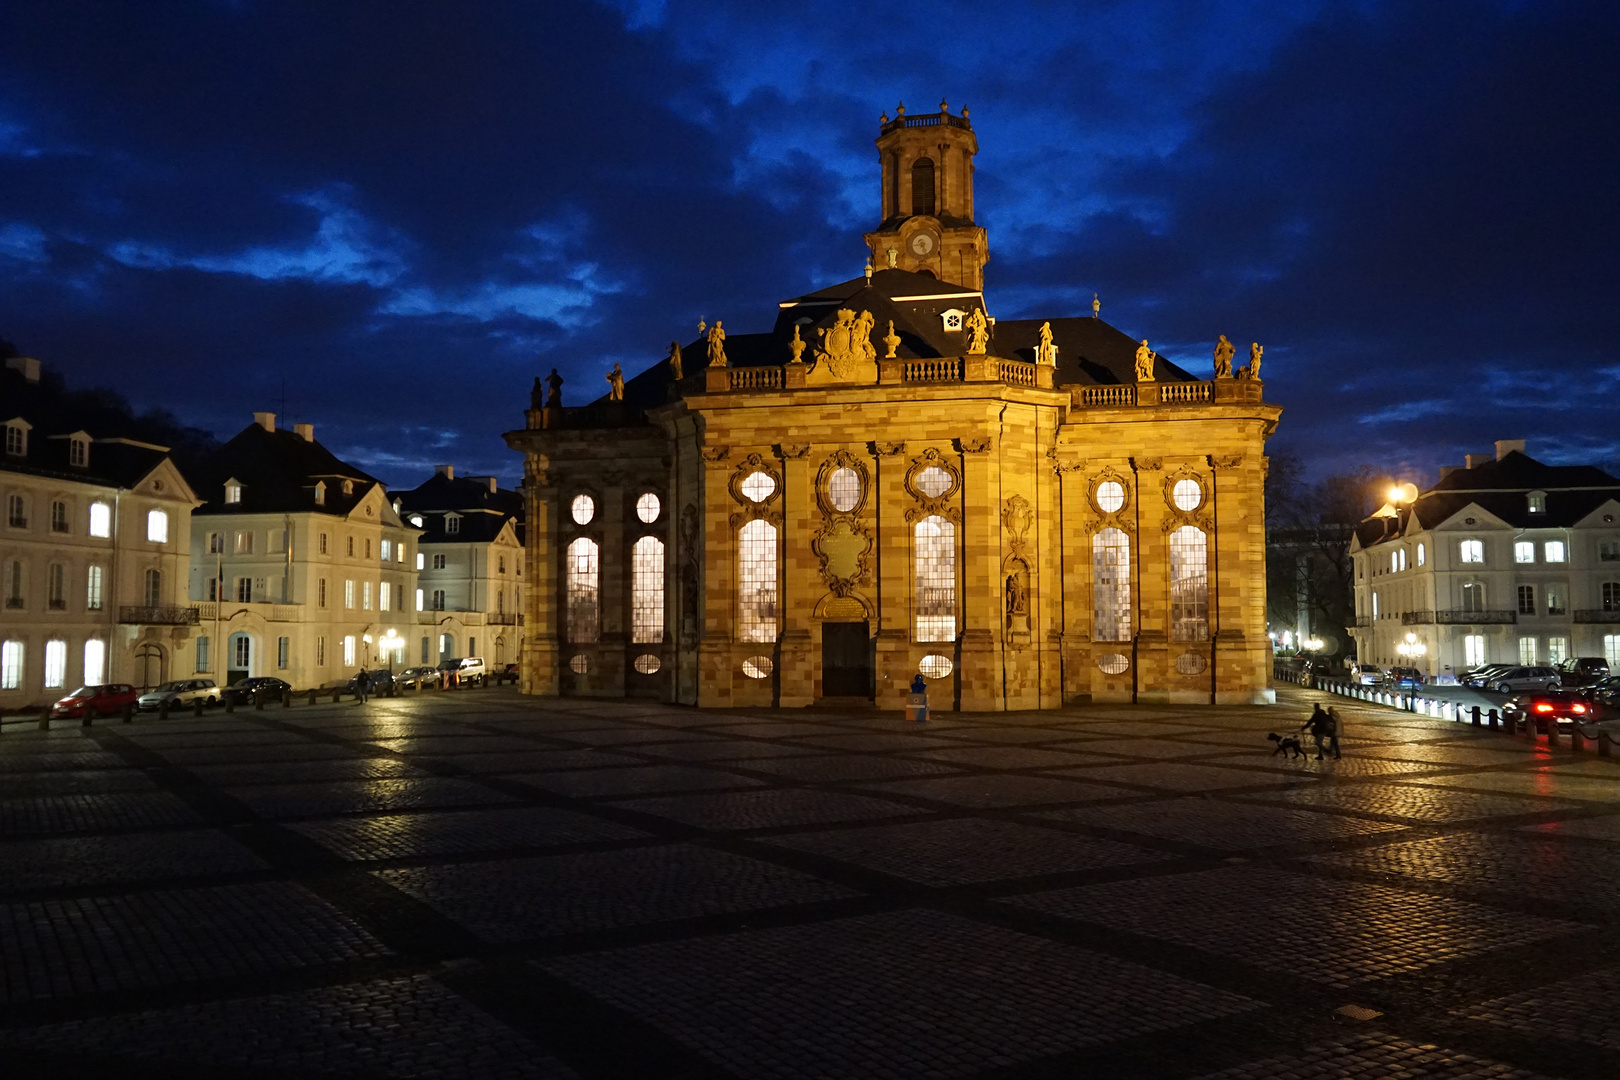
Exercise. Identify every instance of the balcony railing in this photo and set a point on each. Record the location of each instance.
(1363, 622)
(1597, 615)
(1457, 618)
(934, 369)
(755, 378)
(1185, 393)
(159, 616)
(1016, 372)
(1095, 396)
(938, 119)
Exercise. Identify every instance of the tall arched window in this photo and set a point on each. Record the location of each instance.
(95, 661)
(922, 186)
(1111, 585)
(934, 558)
(154, 588)
(584, 608)
(756, 581)
(647, 590)
(1189, 585)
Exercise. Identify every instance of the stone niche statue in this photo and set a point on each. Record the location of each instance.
(717, 345)
(675, 372)
(1252, 369)
(615, 379)
(1017, 599)
(978, 332)
(844, 352)
(1223, 358)
(1144, 362)
(554, 384)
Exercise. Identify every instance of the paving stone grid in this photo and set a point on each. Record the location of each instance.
(482, 885)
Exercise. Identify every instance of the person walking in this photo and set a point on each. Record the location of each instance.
(361, 685)
(1320, 725)
(1338, 729)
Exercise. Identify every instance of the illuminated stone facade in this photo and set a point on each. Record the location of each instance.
(889, 481)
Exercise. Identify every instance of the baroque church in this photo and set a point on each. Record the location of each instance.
(891, 482)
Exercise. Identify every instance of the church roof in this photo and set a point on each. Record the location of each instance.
(1090, 351)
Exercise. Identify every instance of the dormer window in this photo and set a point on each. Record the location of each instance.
(78, 452)
(1538, 502)
(952, 319)
(233, 491)
(320, 493)
(348, 487)
(416, 519)
(452, 523)
(17, 438)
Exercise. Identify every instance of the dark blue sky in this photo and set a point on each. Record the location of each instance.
(407, 211)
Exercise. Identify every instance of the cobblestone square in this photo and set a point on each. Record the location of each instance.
(474, 884)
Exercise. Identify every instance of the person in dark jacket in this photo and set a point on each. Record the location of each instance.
(362, 683)
(1320, 725)
(1338, 729)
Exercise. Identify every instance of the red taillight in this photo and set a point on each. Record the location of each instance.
(1542, 706)
(1577, 708)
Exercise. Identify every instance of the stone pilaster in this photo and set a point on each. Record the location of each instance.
(979, 602)
(800, 578)
(1151, 592)
(893, 561)
(720, 582)
(541, 669)
(1076, 541)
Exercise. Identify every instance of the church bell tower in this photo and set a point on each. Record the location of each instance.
(928, 198)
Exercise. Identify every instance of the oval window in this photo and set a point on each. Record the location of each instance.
(757, 486)
(647, 508)
(1187, 494)
(1114, 663)
(579, 664)
(1189, 663)
(1110, 496)
(583, 509)
(935, 666)
(844, 489)
(648, 664)
(934, 481)
(758, 667)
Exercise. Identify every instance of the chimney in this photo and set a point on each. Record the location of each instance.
(446, 471)
(27, 365)
(1474, 461)
(266, 420)
(1447, 470)
(487, 481)
(305, 431)
(1504, 447)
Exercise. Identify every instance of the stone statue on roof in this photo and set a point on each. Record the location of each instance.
(1096, 307)
(1252, 369)
(675, 371)
(1046, 352)
(892, 341)
(554, 383)
(537, 396)
(615, 379)
(978, 332)
(717, 345)
(1144, 362)
(797, 346)
(844, 351)
(1223, 358)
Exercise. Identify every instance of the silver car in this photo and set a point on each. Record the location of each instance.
(179, 694)
(1524, 678)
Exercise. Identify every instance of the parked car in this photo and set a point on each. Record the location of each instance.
(1481, 676)
(241, 691)
(180, 693)
(1583, 670)
(104, 699)
(417, 678)
(1605, 694)
(1515, 679)
(1549, 706)
(466, 669)
(1404, 678)
(378, 683)
(1366, 674)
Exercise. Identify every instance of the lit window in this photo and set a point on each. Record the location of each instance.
(1187, 494)
(202, 653)
(756, 580)
(420, 560)
(348, 650)
(584, 612)
(1527, 599)
(1401, 558)
(92, 589)
(1557, 650)
(365, 595)
(1472, 551)
(244, 543)
(55, 664)
(1527, 650)
(1611, 650)
(1111, 584)
(1524, 552)
(934, 559)
(418, 599)
(59, 516)
(1553, 550)
(1110, 496)
(348, 594)
(935, 666)
(11, 661)
(1394, 561)
(934, 481)
(157, 527)
(386, 550)
(95, 661)
(1420, 554)
(648, 507)
(1474, 649)
(233, 492)
(757, 486)
(1537, 501)
(399, 552)
(320, 651)
(320, 494)
(583, 509)
(844, 489)
(647, 590)
(1189, 585)
(384, 595)
(100, 519)
(1375, 606)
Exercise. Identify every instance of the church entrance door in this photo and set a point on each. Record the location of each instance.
(846, 660)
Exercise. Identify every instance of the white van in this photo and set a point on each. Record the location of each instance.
(468, 669)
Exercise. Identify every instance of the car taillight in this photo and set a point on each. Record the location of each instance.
(1577, 707)
(1542, 706)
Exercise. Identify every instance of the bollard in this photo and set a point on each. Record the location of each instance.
(337, 696)
(197, 707)
(230, 704)
(1493, 718)
(45, 720)
(1552, 732)
(1474, 716)
(312, 695)
(286, 698)
(89, 714)
(258, 701)
(163, 709)
(1605, 744)
(129, 713)
(1577, 741)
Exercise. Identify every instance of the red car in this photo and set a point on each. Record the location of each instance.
(108, 699)
(1561, 707)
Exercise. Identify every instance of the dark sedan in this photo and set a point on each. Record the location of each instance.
(1563, 707)
(243, 691)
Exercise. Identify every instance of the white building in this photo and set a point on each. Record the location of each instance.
(1505, 560)
(301, 568)
(470, 566)
(94, 547)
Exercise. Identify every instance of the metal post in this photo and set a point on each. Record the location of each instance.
(1577, 741)
(45, 720)
(89, 714)
(258, 701)
(1494, 719)
(286, 698)
(1474, 716)
(1605, 744)
(197, 706)
(129, 713)
(312, 694)
(230, 704)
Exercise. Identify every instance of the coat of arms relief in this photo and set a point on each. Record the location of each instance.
(844, 352)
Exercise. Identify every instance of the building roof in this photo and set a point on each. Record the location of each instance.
(1090, 351)
(113, 462)
(476, 527)
(443, 491)
(278, 471)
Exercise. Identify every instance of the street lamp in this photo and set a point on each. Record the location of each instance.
(1411, 648)
(390, 643)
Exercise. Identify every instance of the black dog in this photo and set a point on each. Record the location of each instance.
(1285, 745)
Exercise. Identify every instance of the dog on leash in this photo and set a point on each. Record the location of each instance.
(1286, 744)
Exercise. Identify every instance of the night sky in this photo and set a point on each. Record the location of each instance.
(403, 212)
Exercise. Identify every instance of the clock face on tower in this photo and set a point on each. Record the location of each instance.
(922, 244)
